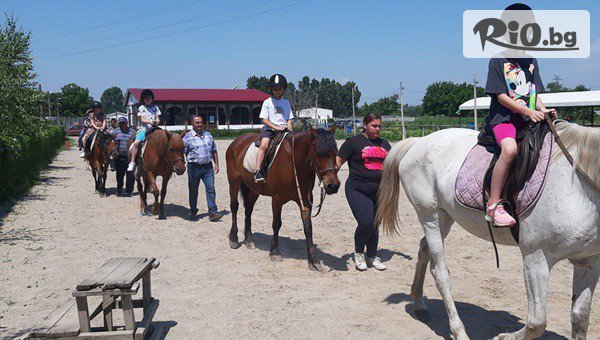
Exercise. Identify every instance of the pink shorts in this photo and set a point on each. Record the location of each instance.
(504, 130)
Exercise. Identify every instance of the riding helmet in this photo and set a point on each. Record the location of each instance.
(147, 93)
(96, 105)
(278, 80)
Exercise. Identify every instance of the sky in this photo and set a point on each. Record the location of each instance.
(219, 44)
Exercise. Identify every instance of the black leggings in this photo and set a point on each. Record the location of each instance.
(362, 198)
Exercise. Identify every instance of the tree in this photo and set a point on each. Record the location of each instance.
(259, 83)
(75, 100)
(112, 100)
(387, 106)
(445, 97)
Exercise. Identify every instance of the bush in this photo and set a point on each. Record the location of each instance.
(20, 166)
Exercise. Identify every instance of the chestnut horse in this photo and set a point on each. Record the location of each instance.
(163, 156)
(307, 153)
(99, 157)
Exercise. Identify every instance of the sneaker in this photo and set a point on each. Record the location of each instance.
(214, 217)
(119, 193)
(359, 261)
(259, 177)
(496, 214)
(82, 154)
(131, 166)
(376, 263)
(193, 217)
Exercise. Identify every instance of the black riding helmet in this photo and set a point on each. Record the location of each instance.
(147, 93)
(96, 105)
(278, 80)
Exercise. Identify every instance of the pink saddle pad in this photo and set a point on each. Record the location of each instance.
(469, 184)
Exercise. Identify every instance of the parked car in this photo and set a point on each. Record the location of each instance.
(74, 130)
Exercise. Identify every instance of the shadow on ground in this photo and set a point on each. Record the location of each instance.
(479, 322)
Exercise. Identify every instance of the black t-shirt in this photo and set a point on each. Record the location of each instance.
(365, 157)
(520, 80)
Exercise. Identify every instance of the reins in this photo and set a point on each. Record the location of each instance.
(170, 162)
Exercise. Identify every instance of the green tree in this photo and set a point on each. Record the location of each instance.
(259, 83)
(387, 106)
(75, 100)
(112, 100)
(445, 97)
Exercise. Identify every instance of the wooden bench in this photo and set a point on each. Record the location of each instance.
(115, 282)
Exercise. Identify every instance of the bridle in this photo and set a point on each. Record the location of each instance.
(170, 161)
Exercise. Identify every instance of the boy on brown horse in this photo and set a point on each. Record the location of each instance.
(149, 115)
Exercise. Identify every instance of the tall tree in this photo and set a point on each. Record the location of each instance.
(75, 100)
(112, 100)
(387, 106)
(259, 83)
(445, 97)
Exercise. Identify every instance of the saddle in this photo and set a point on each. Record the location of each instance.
(528, 172)
(252, 152)
(142, 147)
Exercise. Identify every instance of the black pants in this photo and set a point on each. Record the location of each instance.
(362, 198)
(121, 168)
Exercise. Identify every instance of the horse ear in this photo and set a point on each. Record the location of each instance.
(313, 131)
(183, 133)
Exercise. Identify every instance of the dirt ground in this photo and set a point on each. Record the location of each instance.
(62, 232)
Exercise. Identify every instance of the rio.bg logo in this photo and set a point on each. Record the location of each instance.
(540, 34)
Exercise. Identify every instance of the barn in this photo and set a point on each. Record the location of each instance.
(220, 108)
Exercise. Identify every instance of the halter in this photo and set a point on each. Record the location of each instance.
(170, 162)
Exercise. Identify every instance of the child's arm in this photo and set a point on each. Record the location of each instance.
(540, 106)
(512, 105)
(289, 125)
(103, 125)
(157, 120)
(268, 123)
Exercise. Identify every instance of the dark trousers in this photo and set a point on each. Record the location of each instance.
(121, 169)
(362, 198)
(201, 172)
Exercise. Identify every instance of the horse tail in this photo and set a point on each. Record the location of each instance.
(389, 188)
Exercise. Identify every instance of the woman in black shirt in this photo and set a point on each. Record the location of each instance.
(365, 154)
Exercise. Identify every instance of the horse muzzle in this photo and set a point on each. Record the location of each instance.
(332, 188)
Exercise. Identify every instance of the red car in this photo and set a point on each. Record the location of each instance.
(74, 130)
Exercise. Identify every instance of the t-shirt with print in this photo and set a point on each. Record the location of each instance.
(277, 111)
(519, 78)
(150, 113)
(365, 157)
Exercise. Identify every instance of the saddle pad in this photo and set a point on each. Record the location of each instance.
(252, 153)
(469, 183)
(141, 155)
(93, 141)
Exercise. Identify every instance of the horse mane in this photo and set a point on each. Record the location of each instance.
(587, 142)
(326, 145)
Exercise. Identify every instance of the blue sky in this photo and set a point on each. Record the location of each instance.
(375, 43)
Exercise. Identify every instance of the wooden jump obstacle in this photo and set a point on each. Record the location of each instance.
(116, 282)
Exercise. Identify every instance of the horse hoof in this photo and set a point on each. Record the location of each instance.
(504, 336)
(422, 315)
(249, 245)
(234, 245)
(317, 266)
(102, 195)
(276, 257)
(162, 217)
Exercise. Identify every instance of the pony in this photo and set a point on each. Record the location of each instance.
(103, 149)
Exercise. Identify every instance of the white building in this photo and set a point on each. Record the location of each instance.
(318, 114)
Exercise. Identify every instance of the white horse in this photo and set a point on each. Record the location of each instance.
(564, 223)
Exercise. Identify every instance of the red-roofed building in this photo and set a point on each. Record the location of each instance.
(219, 108)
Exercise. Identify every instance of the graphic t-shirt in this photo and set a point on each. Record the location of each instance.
(365, 157)
(149, 113)
(520, 79)
(277, 111)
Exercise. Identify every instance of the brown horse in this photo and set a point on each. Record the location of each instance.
(163, 156)
(99, 157)
(308, 153)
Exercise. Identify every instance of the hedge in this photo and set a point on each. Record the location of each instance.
(20, 167)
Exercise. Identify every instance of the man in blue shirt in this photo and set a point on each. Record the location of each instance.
(123, 135)
(201, 152)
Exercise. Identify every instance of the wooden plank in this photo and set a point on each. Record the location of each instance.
(114, 335)
(97, 278)
(129, 277)
(115, 278)
(107, 305)
(83, 313)
(146, 290)
(145, 326)
(128, 315)
(58, 322)
(97, 291)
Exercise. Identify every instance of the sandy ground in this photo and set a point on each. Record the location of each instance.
(62, 232)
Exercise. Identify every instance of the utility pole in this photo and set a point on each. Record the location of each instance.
(41, 105)
(402, 112)
(353, 113)
(475, 101)
(49, 105)
(317, 106)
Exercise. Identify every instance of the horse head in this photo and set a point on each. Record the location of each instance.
(174, 152)
(324, 150)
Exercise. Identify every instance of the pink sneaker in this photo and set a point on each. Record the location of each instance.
(496, 214)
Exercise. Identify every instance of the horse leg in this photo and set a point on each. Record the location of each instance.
(105, 173)
(249, 200)
(436, 225)
(101, 175)
(313, 262)
(585, 278)
(142, 191)
(95, 179)
(274, 253)
(155, 192)
(420, 311)
(536, 267)
(163, 193)
(234, 188)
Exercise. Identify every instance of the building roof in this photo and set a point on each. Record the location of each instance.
(203, 95)
(557, 99)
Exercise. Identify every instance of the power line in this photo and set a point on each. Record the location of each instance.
(175, 33)
(155, 28)
(119, 22)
